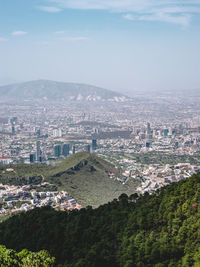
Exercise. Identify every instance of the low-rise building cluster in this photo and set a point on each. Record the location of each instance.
(22, 198)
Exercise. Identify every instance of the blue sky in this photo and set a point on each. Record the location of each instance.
(123, 45)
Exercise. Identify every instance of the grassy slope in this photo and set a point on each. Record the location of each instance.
(87, 187)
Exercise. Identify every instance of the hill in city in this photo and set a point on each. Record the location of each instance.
(83, 175)
(57, 91)
(158, 230)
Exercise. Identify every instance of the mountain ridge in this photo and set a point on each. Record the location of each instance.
(53, 90)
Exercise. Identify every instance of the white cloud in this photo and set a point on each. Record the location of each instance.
(3, 39)
(182, 20)
(129, 17)
(18, 33)
(128, 5)
(74, 39)
(50, 9)
(59, 32)
(172, 11)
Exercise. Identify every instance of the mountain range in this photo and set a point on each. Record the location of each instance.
(57, 91)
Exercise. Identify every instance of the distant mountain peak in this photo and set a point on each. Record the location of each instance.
(51, 90)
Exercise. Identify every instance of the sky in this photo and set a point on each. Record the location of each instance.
(123, 45)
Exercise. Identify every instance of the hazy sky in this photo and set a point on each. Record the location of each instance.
(118, 44)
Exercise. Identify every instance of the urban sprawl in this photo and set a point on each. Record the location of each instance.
(153, 139)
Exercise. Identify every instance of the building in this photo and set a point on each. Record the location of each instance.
(148, 128)
(65, 150)
(32, 157)
(13, 129)
(87, 148)
(165, 132)
(94, 144)
(57, 151)
(73, 149)
(38, 151)
(57, 133)
(148, 144)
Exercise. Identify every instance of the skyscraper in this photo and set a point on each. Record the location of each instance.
(87, 148)
(13, 129)
(38, 151)
(32, 157)
(165, 132)
(65, 150)
(94, 144)
(57, 151)
(148, 144)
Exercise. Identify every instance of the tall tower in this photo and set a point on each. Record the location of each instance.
(32, 157)
(57, 151)
(87, 148)
(94, 144)
(148, 128)
(65, 150)
(38, 151)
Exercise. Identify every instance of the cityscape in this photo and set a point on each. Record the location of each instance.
(99, 133)
(148, 137)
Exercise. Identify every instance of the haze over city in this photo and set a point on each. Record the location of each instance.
(100, 133)
(125, 45)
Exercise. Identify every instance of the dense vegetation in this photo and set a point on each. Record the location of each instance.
(9, 257)
(21, 180)
(159, 230)
(83, 175)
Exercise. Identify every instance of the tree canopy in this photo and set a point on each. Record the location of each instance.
(162, 229)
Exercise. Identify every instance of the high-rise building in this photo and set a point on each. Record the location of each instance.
(57, 151)
(94, 144)
(148, 126)
(13, 129)
(14, 120)
(165, 132)
(87, 148)
(65, 150)
(32, 157)
(148, 144)
(38, 151)
(170, 131)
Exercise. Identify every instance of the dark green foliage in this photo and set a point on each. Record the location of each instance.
(9, 257)
(21, 180)
(159, 230)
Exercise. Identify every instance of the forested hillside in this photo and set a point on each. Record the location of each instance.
(159, 230)
(9, 257)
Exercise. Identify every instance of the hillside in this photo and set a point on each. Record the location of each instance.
(83, 175)
(9, 257)
(158, 230)
(57, 91)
